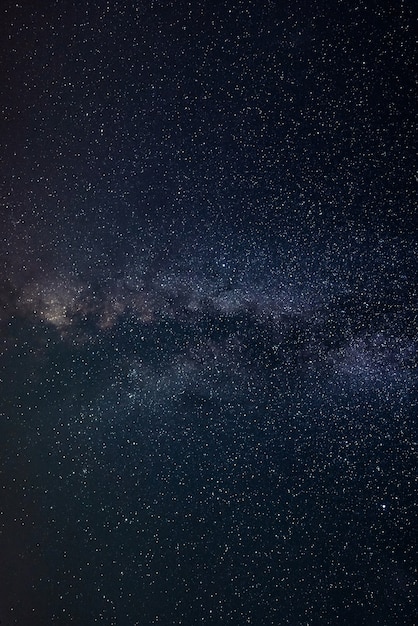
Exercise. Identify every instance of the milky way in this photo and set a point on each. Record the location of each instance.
(208, 314)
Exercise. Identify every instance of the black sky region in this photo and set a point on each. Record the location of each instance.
(208, 299)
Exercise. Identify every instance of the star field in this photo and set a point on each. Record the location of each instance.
(208, 313)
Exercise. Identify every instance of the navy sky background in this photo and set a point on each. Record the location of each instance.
(208, 300)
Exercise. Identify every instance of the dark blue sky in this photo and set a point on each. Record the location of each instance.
(208, 313)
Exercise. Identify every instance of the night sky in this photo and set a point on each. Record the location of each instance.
(208, 313)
